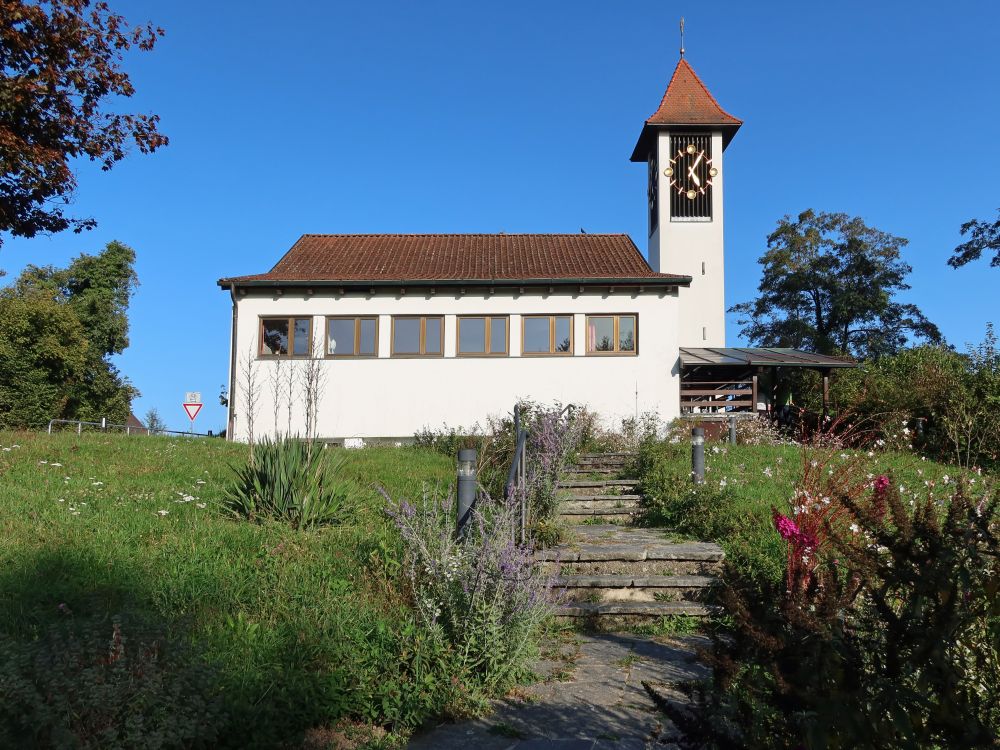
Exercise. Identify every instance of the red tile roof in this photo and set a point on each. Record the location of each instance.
(688, 102)
(394, 258)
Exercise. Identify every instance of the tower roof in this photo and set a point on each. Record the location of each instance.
(686, 102)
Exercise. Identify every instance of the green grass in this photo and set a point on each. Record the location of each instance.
(305, 627)
(743, 484)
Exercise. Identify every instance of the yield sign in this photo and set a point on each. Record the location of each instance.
(192, 410)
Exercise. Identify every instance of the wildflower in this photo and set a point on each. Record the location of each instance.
(162, 512)
(767, 472)
(722, 483)
(199, 505)
(945, 479)
(200, 481)
(814, 463)
(61, 500)
(855, 528)
(43, 462)
(97, 484)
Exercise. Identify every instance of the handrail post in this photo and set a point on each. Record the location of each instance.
(523, 440)
(698, 455)
(79, 428)
(467, 486)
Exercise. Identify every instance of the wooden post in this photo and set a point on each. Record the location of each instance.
(753, 407)
(826, 394)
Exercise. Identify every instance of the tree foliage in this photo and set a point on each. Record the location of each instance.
(829, 285)
(58, 329)
(983, 237)
(60, 63)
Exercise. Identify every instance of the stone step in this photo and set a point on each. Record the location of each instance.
(595, 484)
(598, 502)
(605, 549)
(625, 588)
(612, 615)
(624, 456)
(574, 471)
(607, 460)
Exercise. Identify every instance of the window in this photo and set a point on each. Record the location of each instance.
(283, 337)
(417, 337)
(546, 334)
(352, 337)
(484, 336)
(611, 334)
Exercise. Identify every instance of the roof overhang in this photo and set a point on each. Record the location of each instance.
(759, 357)
(647, 138)
(657, 282)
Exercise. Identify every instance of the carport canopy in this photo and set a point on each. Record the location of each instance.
(725, 379)
(744, 356)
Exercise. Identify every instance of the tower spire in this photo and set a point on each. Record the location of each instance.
(682, 36)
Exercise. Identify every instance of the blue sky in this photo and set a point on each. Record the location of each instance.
(296, 117)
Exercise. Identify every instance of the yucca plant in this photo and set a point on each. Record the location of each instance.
(289, 480)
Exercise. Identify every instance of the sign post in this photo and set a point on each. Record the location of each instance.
(192, 405)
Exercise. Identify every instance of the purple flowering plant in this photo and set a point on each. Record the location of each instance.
(480, 596)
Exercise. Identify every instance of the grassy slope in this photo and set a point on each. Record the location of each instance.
(748, 481)
(80, 524)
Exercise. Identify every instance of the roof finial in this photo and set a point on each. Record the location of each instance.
(682, 36)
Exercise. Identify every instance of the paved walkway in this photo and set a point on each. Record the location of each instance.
(593, 697)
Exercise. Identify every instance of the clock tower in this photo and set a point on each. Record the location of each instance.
(682, 144)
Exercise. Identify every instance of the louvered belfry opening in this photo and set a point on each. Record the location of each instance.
(681, 206)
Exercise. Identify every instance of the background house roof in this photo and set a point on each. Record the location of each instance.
(461, 257)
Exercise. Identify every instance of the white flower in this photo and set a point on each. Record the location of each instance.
(97, 484)
(768, 472)
(722, 483)
(199, 505)
(162, 512)
(855, 528)
(43, 462)
(55, 464)
(200, 481)
(844, 457)
(946, 479)
(61, 500)
(814, 463)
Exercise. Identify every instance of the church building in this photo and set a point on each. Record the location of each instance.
(354, 338)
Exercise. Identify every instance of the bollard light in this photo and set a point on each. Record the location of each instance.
(732, 430)
(698, 455)
(467, 487)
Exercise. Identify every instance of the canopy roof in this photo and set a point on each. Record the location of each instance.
(759, 356)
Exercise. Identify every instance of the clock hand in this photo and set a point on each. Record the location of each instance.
(694, 166)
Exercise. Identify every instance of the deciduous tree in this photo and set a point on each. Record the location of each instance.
(94, 292)
(829, 285)
(60, 65)
(983, 237)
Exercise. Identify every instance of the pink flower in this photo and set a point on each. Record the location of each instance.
(786, 527)
(881, 484)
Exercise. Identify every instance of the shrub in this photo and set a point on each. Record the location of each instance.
(883, 632)
(99, 684)
(480, 597)
(931, 398)
(289, 480)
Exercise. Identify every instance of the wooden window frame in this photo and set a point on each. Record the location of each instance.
(290, 319)
(616, 352)
(423, 353)
(357, 337)
(552, 335)
(488, 331)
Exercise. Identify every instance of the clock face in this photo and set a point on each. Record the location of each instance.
(690, 171)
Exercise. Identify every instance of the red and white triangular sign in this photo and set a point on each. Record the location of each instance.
(192, 410)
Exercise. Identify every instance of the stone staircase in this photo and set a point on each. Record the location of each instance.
(611, 574)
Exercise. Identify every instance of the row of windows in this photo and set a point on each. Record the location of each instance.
(423, 336)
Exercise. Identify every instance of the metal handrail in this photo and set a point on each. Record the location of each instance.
(104, 426)
(516, 475)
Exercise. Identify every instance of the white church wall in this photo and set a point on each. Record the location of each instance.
(392, 398)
